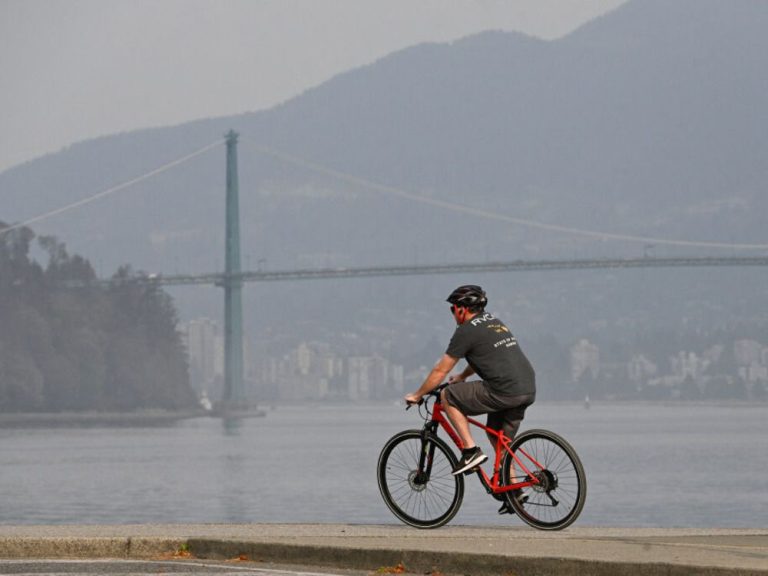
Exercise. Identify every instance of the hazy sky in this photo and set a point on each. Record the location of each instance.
(77, 69)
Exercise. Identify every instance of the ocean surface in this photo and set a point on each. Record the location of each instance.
(650, 465)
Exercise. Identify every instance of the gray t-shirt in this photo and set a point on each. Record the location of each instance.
(494, 354)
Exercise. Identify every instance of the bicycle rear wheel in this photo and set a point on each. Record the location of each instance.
(557, 500)
(420, 491)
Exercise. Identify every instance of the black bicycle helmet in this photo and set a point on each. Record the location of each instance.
(469, 296)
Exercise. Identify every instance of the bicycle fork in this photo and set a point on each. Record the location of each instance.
(426, 455)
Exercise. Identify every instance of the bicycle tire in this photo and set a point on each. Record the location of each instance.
(557, 502)
(426, 504)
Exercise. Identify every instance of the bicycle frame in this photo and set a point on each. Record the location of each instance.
(492, 484)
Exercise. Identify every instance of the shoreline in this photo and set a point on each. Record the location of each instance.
(96, 419)
(161, 418)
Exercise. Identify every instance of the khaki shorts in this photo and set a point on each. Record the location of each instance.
(476, 397)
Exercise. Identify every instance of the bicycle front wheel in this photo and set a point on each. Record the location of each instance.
(416, 482)
(558, 498)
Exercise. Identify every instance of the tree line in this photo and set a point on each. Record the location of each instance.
(70, 343)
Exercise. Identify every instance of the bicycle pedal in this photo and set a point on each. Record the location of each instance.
(506, 509)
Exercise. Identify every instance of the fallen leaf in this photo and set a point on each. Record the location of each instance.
(399, 569)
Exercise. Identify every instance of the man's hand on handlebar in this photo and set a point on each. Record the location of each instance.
(411, 399)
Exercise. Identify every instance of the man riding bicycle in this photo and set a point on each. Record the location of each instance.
(508, 383)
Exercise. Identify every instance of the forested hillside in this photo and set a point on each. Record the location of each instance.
(67, 343)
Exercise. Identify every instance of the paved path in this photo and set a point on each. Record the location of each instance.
(451, 549)
(174, 567)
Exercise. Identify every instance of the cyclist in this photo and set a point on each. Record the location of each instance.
(507, 386)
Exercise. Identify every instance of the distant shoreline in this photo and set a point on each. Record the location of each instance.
(143, 418)
(163, 418)
(399, 404)
(78, 419)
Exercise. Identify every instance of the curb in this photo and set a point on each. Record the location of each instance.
(356, 558)
(120, 547)
(425, 562)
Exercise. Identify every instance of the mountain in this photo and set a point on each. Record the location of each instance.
(649, 121)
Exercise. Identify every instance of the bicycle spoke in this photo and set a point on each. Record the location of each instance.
(415, 498)
(557, 497)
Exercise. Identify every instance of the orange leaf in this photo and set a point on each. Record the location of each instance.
(399, 569)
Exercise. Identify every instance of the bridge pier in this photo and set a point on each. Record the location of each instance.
(234, 393)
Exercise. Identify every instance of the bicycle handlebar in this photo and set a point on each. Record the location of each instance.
(438, 389)
(435, 393)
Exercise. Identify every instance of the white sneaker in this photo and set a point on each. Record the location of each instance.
(469, 460)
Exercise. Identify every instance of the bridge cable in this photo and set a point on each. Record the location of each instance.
(455, 207)
(112, 190)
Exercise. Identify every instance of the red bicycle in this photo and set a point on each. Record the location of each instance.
(538, 474)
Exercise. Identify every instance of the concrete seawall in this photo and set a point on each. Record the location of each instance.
(453, 549)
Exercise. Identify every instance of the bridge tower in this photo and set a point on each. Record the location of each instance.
(234, 393)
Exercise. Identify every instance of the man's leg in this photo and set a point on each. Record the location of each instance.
(459, 399)
(509, 421)
(471, 455)
(459, 421)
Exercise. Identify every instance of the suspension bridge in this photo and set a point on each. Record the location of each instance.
(467, 267)
(233, 277)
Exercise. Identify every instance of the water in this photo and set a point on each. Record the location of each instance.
(647, 465)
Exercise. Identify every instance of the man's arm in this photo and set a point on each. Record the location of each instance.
(436, 377)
